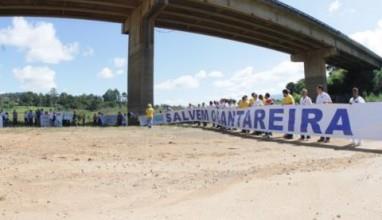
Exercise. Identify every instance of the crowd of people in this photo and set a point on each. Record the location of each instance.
(322, 97)
(34, 118)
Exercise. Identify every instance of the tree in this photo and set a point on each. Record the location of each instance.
(112, 97)
(377, 82)
(296, 88)
(53, 96)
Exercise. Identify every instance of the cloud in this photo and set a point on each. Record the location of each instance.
(204, 75)
(335, 6)
(371, 38)
(184, 82)
(38, 40)
(188, 81)
(119, 68)
(37, 79)
(106, 73)
(88, 52)
(247, 80)
(216, 74)
(120, 64)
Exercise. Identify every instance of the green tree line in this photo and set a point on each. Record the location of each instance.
(341, 82)
(110, 99)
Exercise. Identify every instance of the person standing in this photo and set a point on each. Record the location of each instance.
(100, 119)
(268, 101)
(204, 108)
(5, 119)
(243, 104)
(288, 100)
(258, 101)
(119, 119)
(30, 118)
(253, 100)
(305, 100)
(150, 115)
(356, 99)
(95, 119)
(75, 118)
(14, 114)
(323, 98)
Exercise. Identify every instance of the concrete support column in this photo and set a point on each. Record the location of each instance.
(314, 68)
(315, 74)
(140, 27)
(141, 63)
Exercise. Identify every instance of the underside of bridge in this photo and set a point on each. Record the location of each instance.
(265, 23)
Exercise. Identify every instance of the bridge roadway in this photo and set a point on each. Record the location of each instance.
(266, 23)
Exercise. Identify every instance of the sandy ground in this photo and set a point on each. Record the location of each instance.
(183, 173)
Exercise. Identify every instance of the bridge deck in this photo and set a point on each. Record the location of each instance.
(226, 19)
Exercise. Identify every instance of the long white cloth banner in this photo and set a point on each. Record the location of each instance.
(332, 120)
(46, 120)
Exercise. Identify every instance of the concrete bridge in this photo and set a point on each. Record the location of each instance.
(266, 23)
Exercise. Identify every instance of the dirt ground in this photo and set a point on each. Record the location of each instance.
(183, 173)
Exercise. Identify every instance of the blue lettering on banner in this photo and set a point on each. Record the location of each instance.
(177, 117)
(184, 116)
(273, 118)
(239, 114)
(168, 118)
(343, 116)
(213, 115)
(231, 118)
(278, 119)
(205, 115)
(192, 115)
(247, 123)
(292, 119)
(223, 119)
(259, 119)
(198, 115)
(311, 117)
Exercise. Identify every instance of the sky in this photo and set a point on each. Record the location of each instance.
(82, 57)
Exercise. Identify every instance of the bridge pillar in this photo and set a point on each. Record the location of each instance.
(315, 74)
(314, 68)
(140, 28)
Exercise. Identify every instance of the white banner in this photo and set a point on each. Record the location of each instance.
(332, 120)
(1, 121)
(112, 120)
(68, 116)
(46, 120)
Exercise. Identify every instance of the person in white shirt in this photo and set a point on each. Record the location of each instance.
(356, 99)
(323, 98)
(260, 101)
(305, 100)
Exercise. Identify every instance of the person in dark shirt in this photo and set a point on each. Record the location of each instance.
(14, 114)
(75, 118)
(119, 119)
(95, 119)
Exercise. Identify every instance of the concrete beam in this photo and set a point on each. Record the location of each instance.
(324, 52)
(148, 9)
(299, 24)
(141, 55)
